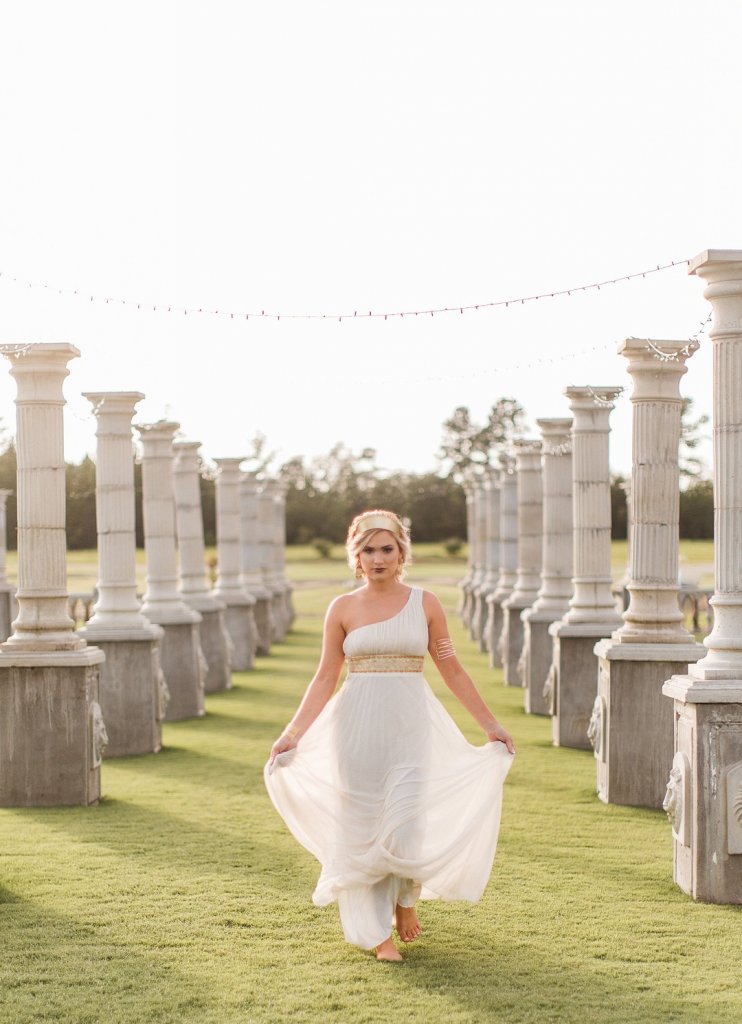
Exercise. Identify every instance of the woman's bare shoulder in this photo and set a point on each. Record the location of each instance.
(431, 603)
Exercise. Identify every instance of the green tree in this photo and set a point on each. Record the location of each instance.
(692, 466)
(467, 443)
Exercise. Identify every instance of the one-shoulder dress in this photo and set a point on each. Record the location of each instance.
(384, 789)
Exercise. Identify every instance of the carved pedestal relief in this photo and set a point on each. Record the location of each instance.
(734, 808)
(676, 804)
(596, 728)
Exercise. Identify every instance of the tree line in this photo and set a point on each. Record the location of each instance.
(326, 491)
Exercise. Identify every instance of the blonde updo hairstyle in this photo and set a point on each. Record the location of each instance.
(365, 526)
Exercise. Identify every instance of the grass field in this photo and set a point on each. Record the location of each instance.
(182, 898)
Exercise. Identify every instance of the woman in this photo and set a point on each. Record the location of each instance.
(378, 782)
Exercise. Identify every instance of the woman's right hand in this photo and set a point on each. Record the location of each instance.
(286, 741)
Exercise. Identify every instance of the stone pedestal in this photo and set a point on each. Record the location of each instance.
(552, 601)
(508, 548)
(592, 611)
(239, 616)
(7, 593)
(51, 728)
(194, 587)
(636, 722)
(528, 579)
(183, 662)
(251, 576)
(704, 793)
(133, 694)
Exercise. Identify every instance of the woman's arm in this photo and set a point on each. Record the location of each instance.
(455, 677)
(322, 686)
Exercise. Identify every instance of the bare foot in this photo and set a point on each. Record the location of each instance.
(407, 923)
(388, 951)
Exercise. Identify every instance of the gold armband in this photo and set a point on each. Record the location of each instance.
(444, 648)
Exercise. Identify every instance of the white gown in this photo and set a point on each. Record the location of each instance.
(386, 792)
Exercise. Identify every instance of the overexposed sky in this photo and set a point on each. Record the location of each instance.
(332, 156)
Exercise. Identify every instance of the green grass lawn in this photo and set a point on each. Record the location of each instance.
(182, 898)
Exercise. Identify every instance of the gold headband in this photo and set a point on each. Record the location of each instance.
(377, 523)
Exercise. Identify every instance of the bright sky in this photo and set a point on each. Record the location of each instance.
(334, 156)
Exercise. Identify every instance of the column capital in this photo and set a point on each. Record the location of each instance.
(655, 367)
(229, 464)
(588, 399)
(555, 434)
(158, 433)
(39, 369)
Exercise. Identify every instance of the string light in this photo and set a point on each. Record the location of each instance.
(355, 315)
(607, 400)
(694, 343)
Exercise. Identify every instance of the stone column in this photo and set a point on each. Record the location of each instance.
(528, 580)
(51, 727)
(133, 693)
(267, 561)
(194, 585)
(492, 555)
(280, 499)
(631, 718)
(251, 576)
(7, 593)
(240, 618)
(553, 597)
(485, 586)
(704, 797)
(182, 658)
(465, 601)
(592, 611)
(476, 626)
(508, 547)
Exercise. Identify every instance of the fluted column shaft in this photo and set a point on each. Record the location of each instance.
(530, 505)
(250, 561)
(592, 600)
(653, 614)
(508, 530)
(162, 603)
(194, 585)
(229, 586)
(43, 622)
(492, 561)
(722, 271)
(117, 606)
(4, 495)
(266, 535)
(556, 574)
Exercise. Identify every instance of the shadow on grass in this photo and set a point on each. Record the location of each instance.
(58, 967)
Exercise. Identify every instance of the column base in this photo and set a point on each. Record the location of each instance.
(184, 668)
(479, 618)
(538, 658)
(512, 643)
(704, 794)
(575, 681)
(278, 611)
(263, 613)
(8, 611)
(217, 649)
(632, 722)
(133, 694)
(239, 620)
(51, 729)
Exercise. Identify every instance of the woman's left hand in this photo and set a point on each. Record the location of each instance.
(285, 742)
(498, 733)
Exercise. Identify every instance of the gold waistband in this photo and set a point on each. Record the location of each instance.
(386, 663)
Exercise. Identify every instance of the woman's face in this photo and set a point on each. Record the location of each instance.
(380, 556)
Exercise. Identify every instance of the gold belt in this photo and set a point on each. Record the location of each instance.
(386, 663)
